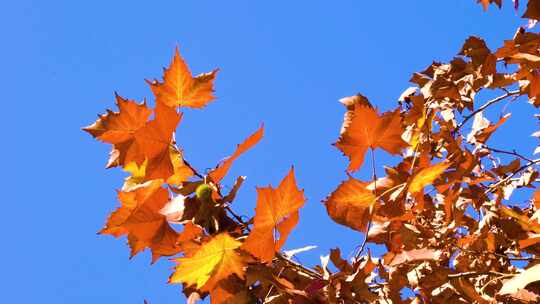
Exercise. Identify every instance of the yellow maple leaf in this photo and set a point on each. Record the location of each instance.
(212, 262)
(426, 176)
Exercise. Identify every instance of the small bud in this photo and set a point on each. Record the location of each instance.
(204, 192)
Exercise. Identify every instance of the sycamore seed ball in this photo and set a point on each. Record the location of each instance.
(203, 192)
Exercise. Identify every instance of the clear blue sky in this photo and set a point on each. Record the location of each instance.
(284, 63)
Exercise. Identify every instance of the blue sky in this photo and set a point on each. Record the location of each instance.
(284, 63)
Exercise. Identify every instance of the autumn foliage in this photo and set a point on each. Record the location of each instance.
(444, 212)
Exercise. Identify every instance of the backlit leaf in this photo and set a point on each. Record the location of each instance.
(220, 171)
(138, 141)
(139, 217)
(426, 177)
(350, 203)
(276, 212)
(180, 88)
(364, 128)
(212, 262)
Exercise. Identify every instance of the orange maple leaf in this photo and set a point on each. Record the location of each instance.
(139, 218)
(135, 139)
(180, 88)
(118, 127)
(350, 203)
(221, 170)
(142, 173)
(364, 128)
(212, 262)
(276, 211)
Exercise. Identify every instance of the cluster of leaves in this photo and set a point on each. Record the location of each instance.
(532, 11)
(444, 212)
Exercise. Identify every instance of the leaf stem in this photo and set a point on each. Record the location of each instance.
(371, 207)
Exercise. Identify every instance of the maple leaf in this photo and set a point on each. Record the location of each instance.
(276, 212)
(485, 3)
(364, 128)
(521, 280)
(524, 221)
(424, 254)
(135, 139)
(180, 88)
(215, 241)
(188, 239)
(482, 128)
(212, 262)
(350, 203)
(221, 170)
(139, 217)
(230, 291)
(181, 171)
(533, 10)
(118, 127)
(532, 239)
(426, 177)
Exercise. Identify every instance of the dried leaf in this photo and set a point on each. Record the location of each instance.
(424, 254)
(521, 280)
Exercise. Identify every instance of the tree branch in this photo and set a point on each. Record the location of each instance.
(475, 273)
(484, 106)
(513, 152)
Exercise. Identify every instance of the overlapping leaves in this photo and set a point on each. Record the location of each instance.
(444, 210)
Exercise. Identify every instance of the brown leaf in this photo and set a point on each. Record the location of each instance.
(533, 10)
(521, 280)
(424, 254)
(533, 239)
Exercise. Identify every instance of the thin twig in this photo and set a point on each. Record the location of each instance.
(475, 274)
(495, 279)
(494, 187)
(513, 152)
(474, 252)
(302, 268)
(192, 169)
(484, 106)
(237, 218)
(272, 286)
